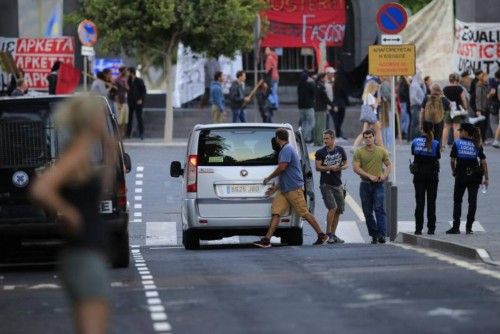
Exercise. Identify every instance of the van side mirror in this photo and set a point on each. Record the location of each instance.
(176, 169)
(127, 162)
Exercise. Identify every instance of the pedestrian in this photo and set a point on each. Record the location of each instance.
(428, 84)
(210, 67)
(13, 80)
(52, 77)
(384, 108)
(271, 70)
(291, 191)
(121, 106)
(112, 89)
(368, 163)
(425, 169)
(469, 173)
(135, 100)
(404, 102)
(322, 102)
(496, 142)
(99, 85)
(482, 104)
(370, 100)
(417, 95)
(265, 107)
(434, 110)
(21, 88)
(494, 102)
(306, 91)
(72, 188)
(340, 103)
(472, 88)
(217, 98)
(330, 161)
(329, 85)
(458, 103)
(237, 97)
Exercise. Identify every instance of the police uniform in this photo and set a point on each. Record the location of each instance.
(468, 175)
(425, 169)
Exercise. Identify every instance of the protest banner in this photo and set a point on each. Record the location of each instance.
(37, 55)
(477, 46)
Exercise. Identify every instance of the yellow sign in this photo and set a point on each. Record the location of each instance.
(388, 60)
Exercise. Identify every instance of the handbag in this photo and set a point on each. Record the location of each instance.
(368, 115)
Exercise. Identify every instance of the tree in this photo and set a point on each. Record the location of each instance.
(211, 27)
(415, 5)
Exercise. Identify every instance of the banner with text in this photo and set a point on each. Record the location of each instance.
(7, 44)
(477, 46)
(301, 23)
(37, 55)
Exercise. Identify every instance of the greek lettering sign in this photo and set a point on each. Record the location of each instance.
(301, 23)
(389, 60)
(477, 46)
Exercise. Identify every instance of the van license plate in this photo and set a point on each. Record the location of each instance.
(106, 207)
(244, 189)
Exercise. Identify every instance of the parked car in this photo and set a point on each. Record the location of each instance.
(224, 168)
(29, 143)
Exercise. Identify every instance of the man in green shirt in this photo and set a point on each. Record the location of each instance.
(368, 163)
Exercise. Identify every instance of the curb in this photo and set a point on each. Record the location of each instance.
(447, 247)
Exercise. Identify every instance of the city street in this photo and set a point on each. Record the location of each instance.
(231, 287)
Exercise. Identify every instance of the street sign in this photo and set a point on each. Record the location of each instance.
(388, 60)
(391, 18)
(391, 40)
(87, 32)
(88, 51)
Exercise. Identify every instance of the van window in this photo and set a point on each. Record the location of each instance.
(237, 147)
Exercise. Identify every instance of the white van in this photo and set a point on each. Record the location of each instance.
(222, 177)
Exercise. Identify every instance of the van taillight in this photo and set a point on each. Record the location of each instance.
(121, 195)
(192, 171)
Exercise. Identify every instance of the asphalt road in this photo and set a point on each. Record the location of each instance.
(231, 287)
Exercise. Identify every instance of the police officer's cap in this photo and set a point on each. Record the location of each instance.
(467, 127)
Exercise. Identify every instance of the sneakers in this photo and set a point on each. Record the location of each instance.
(430, 232)
(453, 230)
(374, 240)
(496, 144)
(263, 243)
(381, 240)
(418, 232)
(322, 239)
(474, 120)
(333, 239)
(469, 232)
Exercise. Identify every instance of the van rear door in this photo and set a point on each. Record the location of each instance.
(232, 163)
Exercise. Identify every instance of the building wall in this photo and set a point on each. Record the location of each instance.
(8, 21)
(477, 10)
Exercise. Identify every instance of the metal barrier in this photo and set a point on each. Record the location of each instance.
(391, 209)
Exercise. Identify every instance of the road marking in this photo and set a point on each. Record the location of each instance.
(445, 258)
(140, 168)
(137, 220)
(137, 206)
(224, 241)
(476, 226)
(138, 183)
(139, 176)
(355, 207)
(406, 226)
(138, 190)
(349, 232)
(138, 198)
(156, 309)
(161, 233)
(137, 214)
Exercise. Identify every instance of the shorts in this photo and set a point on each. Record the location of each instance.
(122, 113)
(294, 198)
(449, 120)
(84, 274)
(333, 196)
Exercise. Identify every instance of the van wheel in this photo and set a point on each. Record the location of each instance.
(293, 237)
(190, 239)
(120, 257)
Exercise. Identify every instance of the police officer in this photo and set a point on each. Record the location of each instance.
(425, 170)
(468, 173)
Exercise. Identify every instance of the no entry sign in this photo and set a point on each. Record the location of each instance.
(391, 18)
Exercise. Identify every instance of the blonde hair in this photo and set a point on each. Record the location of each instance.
(79, 114)
(434, 109)
(370, 88)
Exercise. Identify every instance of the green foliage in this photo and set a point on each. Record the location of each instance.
(414, 5)
(213, 27)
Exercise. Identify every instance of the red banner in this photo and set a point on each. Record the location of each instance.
(305, 23)
(37, 55)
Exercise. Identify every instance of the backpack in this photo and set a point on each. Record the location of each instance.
(434, 109)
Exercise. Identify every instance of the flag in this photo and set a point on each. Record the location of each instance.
(68, 78)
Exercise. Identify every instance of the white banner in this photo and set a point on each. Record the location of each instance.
(477, 46)
(7, 44)
(190, 74)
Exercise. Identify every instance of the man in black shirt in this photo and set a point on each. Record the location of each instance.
(135, 99)
(330, 161)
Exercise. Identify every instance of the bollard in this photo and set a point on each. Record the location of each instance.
(387, 207)
(394, 213)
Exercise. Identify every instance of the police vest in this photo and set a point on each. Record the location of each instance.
(466, 150)
(420, 148)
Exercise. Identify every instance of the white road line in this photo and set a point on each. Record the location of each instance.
(349, 232)
(161, 233)
(140, 168)
(138, 183)
(139, 176)
(162, 326)
(137, 220)
(460, 263)
(224, 241)
(137, 206)
(355, 207)
(406, 226)
(476, 226)
(138, 190)
(138, 198)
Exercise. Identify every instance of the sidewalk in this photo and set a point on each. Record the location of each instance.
(484, 246)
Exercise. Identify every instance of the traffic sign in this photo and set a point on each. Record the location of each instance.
(388, 60)
(87, 32)
(88, 51)
(391, 40)
(391, 18)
